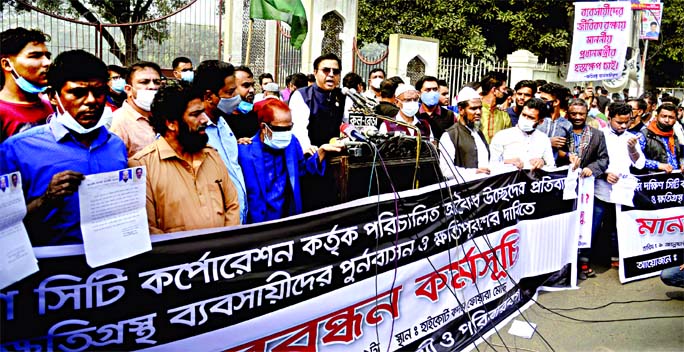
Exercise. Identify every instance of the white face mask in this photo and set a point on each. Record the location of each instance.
(70, 123)
(375, 83)
(410, 108)
(144, 98)
(593, 112)
(526, 125)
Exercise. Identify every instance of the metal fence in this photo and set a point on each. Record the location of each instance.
(193, 31)
(459, 72)
(363, 65)
(288, 59)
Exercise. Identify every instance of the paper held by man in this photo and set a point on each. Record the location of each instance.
(113, 216)
(17, 260)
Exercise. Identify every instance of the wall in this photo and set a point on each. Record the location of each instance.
(403, 48)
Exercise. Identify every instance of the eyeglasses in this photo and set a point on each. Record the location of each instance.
(335, 71)
(279, 128)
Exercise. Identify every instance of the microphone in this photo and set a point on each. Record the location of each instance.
(355, 97)
(351, 132)
(370, 131)
(369, 102)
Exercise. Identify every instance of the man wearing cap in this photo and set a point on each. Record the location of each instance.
(407, 97)
(463, 148)
(271, 91)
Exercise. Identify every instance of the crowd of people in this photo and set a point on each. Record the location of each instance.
(218, 154)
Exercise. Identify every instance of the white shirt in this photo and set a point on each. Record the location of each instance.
(618, 160)
(300, 119)
(447, 150)
(399, 117)
(514, 143)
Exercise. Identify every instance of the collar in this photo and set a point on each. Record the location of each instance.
(415, 122)
(166, 152)
(133, 112)
(435, 112)
(60, 132)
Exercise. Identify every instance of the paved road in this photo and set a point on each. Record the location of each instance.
(567, 335)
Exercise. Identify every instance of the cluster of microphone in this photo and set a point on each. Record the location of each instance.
(359, 100)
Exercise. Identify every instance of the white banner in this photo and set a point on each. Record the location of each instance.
(600, 40)
(649, 241)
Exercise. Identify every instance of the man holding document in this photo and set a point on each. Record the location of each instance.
(54, 158)
(188, 185)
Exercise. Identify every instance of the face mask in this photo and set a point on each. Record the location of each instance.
(410, 108)
(375, 83)
(70, 123)
(245, 107)
(228, 105)
(187, 76)
(278, 140)
(663, 127)
(593, 112)
(576, 92)
(430, 98)
(144, 99)
(526, 125)
(118, 85)
(25, 85)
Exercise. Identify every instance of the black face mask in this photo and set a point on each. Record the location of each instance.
(663, 127)
(192, 142)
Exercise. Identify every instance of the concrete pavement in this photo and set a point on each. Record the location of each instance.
(636, 335)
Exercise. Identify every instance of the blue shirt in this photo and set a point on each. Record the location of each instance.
(653, 164)
(277, 187)
(514, 116)
(222, 138)
(46, 150)
(561, 127)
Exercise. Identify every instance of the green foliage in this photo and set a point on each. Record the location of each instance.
(113, 12)
(494, 28)
(473, 27)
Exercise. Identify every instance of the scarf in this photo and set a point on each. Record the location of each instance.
(653, 127)
(584, 142)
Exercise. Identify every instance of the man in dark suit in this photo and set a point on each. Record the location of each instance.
(273, 163)
(587, 151)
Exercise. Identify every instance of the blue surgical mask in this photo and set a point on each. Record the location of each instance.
(430, 98)
(187, 76)
(245, 107)
(228, 105)
(118, 85)
(25, 85)
(278, 140)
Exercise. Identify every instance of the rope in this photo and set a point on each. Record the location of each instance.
(368, 61)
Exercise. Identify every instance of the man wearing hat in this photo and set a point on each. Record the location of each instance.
(407, 100)
(463, 148)
(271, 91)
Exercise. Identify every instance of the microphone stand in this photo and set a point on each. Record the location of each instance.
(368, 111)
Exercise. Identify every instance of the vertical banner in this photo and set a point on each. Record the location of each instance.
(600, 40)
(585, 207)
(651, 234)
(650, 22)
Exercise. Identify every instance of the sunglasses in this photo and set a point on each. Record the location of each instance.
(335, 71)
(279, 128)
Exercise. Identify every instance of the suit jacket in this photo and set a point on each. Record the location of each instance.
(596, 156)
(250, 157)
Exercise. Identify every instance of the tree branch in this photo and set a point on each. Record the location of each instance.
(88, 15)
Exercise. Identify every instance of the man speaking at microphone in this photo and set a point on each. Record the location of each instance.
(317, 113)
(273, 163)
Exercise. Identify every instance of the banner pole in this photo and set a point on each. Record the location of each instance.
(249, 41)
